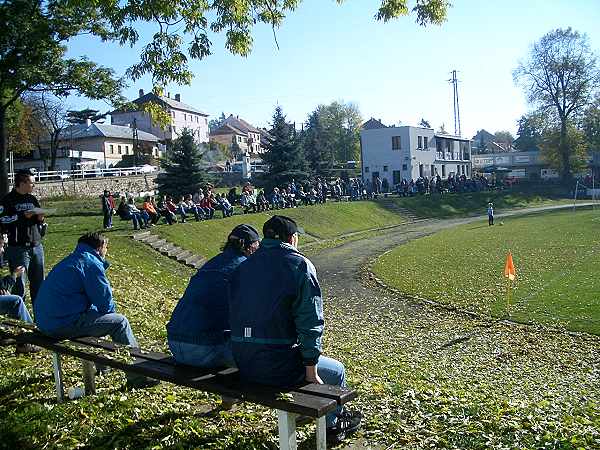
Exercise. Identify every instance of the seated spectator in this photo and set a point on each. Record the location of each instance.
(302, 197)
(198, 332)
(261, 201)
(76, 300)
(163, 211)
(275, 199)
(153, 214)
(13, 306)
(122, 209)
(140, 218)
(171, 207)
(198, 211)
(208, 206)
(183, 208)
(277, 324)
(224, 205)
(248, 201)
(232, 196)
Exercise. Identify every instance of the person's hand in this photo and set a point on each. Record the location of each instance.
(312, 376)
(19, 270)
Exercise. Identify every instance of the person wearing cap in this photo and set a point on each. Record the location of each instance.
(277, 325)
(198, 332)
(24, 229)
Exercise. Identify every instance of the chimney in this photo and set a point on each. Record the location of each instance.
(141, 92)
(88, 122)
(177, 97)
(168, 95)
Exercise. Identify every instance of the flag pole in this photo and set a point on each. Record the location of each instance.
(508, 297)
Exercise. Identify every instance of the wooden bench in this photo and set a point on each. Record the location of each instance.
(310, 400)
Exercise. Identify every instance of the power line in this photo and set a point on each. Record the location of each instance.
(454, 81)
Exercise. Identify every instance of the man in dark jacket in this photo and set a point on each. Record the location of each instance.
(23, 222)
(76, 300)
(108, 209)
(198, 331)
(276, 317)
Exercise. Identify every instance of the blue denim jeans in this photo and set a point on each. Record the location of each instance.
(208, 356)
(14, 307)
(92, 323)
(32, 258)
(332, 372)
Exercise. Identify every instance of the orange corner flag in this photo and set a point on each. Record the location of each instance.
(509, 267)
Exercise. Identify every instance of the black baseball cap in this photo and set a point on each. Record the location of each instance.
(246, 232)
(281, 227)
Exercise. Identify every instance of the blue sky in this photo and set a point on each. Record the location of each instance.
(396, 72)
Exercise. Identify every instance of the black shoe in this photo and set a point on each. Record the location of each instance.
(140, 382)
(348, 422)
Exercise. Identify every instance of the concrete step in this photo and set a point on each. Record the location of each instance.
(158, 244)
(150, 238)
(141, 235)
(183, 255)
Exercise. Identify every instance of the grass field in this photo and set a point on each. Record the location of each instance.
(454, 205)
(505, 387)
(320, 222)
(557, 256)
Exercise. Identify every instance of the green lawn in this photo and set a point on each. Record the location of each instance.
(454, 205)
(320, 222)
(505, 388)
(557, 257)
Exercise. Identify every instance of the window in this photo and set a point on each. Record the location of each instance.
(395, 142)
(239, 139)
(443, 171)
(119, 149)
(404, 167)
(396, 177)
(366, 170)
(419, 142)
(385, 168)
(112, 149)
(425, 142)
(173, 114)
(197, 119)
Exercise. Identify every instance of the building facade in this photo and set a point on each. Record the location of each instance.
(247, 137)
(406, 152)
(523, 165)
(93, 145)
(183, 116)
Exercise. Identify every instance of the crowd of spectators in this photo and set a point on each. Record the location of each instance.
(203, 204)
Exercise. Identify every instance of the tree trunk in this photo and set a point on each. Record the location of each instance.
(563, 149)
(53, 150)
(4, 186)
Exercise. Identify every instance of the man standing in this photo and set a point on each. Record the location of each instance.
(108, 209)
(490, 213)
(276, 318)
(76, 300)
(22, 220)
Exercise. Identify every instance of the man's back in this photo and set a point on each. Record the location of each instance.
(275, 315)
(75, 285)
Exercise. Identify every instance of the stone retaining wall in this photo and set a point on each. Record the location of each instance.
(93, 187)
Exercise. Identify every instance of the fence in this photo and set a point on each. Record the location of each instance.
(89, 173)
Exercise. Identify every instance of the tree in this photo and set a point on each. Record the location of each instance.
(235, 149)
(183, 173)
(505, 138)
(83, 115)
(50, 114)
(284, 154)
(531, 128)
(22, 129)
(424, 123)
(591, 125)
(213, 124)
(560, 77)
(551, 152)
(316, 150)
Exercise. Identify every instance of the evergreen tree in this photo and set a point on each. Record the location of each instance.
(213, 124)
(81, 116)
(317, 152)
(183, 173)
(284, 154)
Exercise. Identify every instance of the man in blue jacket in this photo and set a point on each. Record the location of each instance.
(276, 318)
(198, 331)
(76, 300)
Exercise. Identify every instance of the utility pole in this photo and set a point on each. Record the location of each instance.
(454, 82)
(136, 143)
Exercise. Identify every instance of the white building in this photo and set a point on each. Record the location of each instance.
(92, 145)
(182, 116)
(396, 153)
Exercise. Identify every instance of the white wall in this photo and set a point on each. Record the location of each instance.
(179, 120)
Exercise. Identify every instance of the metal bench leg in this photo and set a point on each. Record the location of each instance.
(89, 377)
(321, 433)
(287, 430)
(58, 382)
